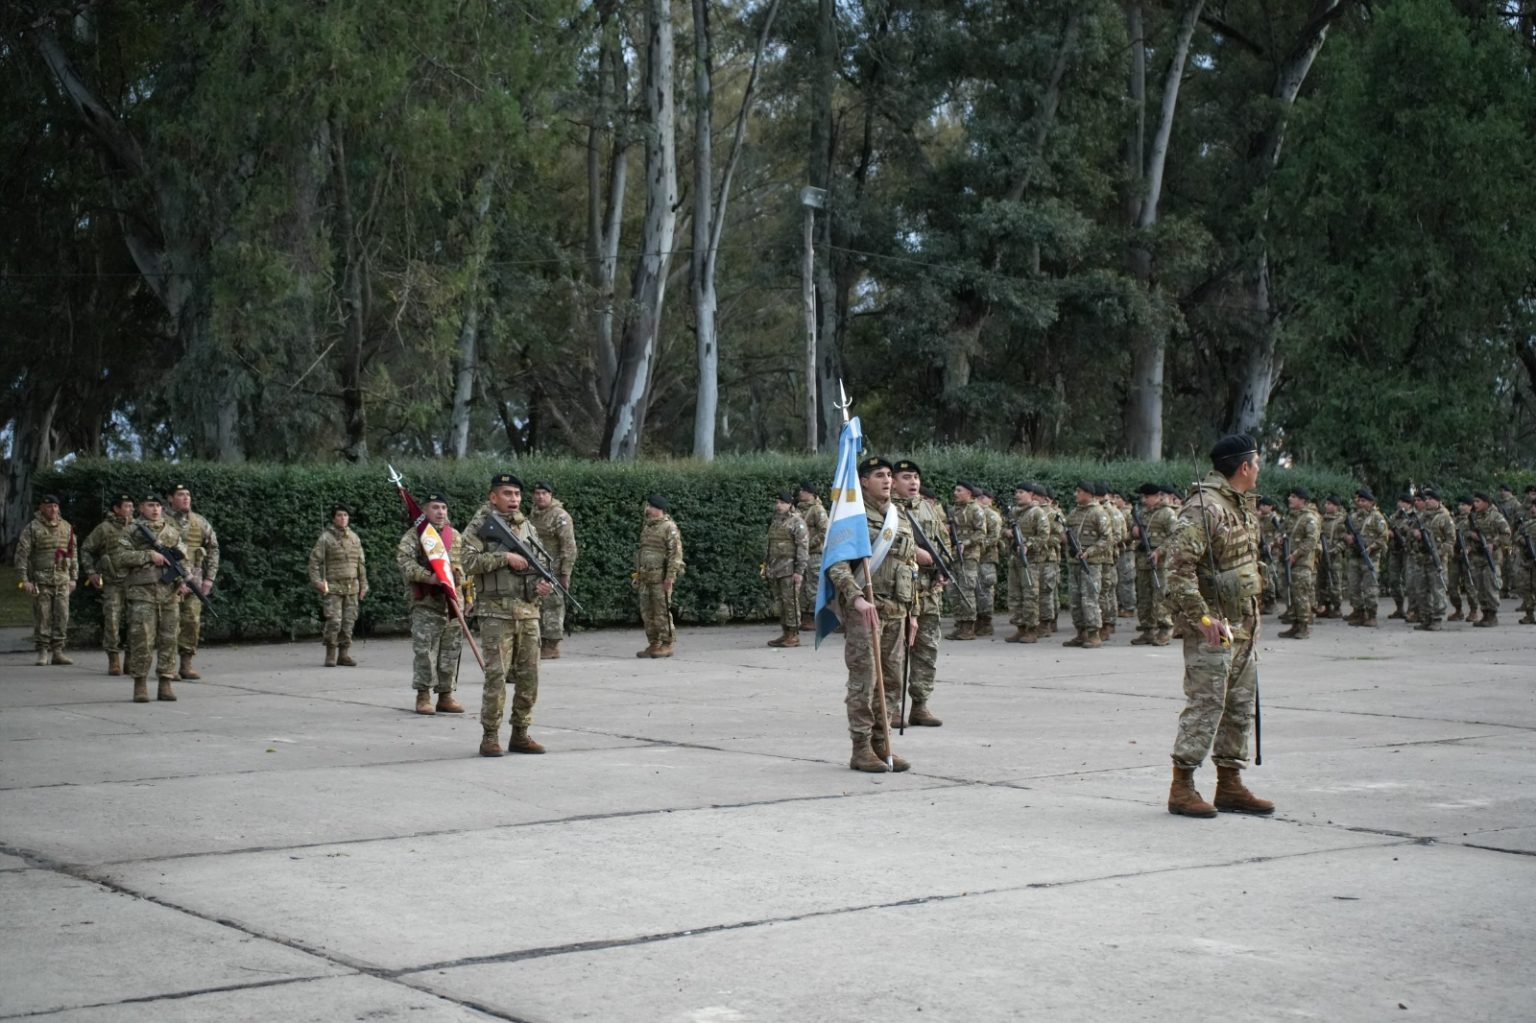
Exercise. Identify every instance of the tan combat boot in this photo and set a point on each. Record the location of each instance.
(1032, 635)
(963, 630)
(788, 637)
(489, 746)
(1106, 631)
(920, 715)
(554, 650)
(1143, 638)
(140, 691)
(1093, 640)
(664, 650)
(880, 746)
(649, 651)
(1428, 625)
(1355, 618)
(114, 664)
(1529, 619)
(424, 702)
(344, 656)
(1161, 637)
(522, 742)
(1232, 796)
(1369, 622)
(1018, 634)
(1397, 608)
(166, 692)
(1077, 640)
(1455, 617)
(1490, 619)
(187, 671)
(807, 623)
(1296, 632)
(330, 655)
(984, 625)
(864, 759)
(59, 656)
(1182, 797)
(446, 704)
(44, 657)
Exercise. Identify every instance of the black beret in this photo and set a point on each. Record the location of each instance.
(176, 488)
(119, 499)
(1334, 499)
(872, 463)
(1365, 493)
(785, 496)
(1101, 489)
(907, 465)
(1507, 488)
(1531, 489)
(337, 507)
(1431, 494)
(505, 479)
(1232, 445)
(1086, 486)
(1047, 493)
(928, 493)
(48, 499)
(1149, 489)
(1480, 495)
(434, 496)
(544, 486)
(1266, 502)
(1301, 492)
(967, 484)
(657, 501)
(809, 487)
(1464, 499)
(1168, 488)
(1406, 495)
(1025, 486)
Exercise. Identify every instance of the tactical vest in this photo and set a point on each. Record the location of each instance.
(193, 534)
(1233, 544)
(49, 563)
(166, 534)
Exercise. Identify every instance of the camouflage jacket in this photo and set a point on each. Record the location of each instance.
(500, 592)
(1525, 541)
(132, 559)
(337, 560)
(1159, 525)
(94, 553)
(815, 516)
(928, 599)
(1058, 552)
(788, 550)
(970, 524)
(660, 554)
(1213, 562)
(992, 544)
(895, 581)
(1372, 527)
(557, 533)
(1491, 529)
(1034, 525)
(1095, 533)
(1304, 531)
(411, 558)
(201, 542)
(46, 554)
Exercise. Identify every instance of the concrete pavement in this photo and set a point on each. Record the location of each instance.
(290, 842)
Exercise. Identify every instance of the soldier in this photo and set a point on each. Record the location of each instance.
(928, 599)
(1459, 577)
(202, 567)
(1330, 583)
(968, 531)
(507, 596)
(1269, 531)
(1525, 550)
(1053, 570)
(658, 566)
(1364, 588)
(986, 569)
(1125, 561)
(1091, 546)
(815, 516)
(557, 534)
(96, 563)
(884, 628)
(48, 564)
(784, 566)
(1109, 573)
(1486, 542)
(153, 612)
(1509, 507)
(1434, 538)
(1032, 526)
(338, 573)
(1213, 583)
(436, 639)
(1397, 553)
(1303, 532)
(1154, 622)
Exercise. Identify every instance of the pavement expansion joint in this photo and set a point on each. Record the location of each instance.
(170, 996)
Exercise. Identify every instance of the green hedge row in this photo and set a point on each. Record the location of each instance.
(268, 517)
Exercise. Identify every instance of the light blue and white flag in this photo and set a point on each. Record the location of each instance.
(847, 531)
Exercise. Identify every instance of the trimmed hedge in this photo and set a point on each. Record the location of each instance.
(268, 516)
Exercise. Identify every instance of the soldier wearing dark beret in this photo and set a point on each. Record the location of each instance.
(339, 573)
(785, 562)
(153, 603)
(202, 565)
(47, 563)
(658, 565)
(906, 494)
(96, 564)
(556, 531)
(436, 639)
(968, 535)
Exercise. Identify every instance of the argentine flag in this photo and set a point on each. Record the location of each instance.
(847, 531)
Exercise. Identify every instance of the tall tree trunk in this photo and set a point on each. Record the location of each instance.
(354, 309)
(823, 146)
(627, 402)
(31, 450)
(607, 176)
(469, 326)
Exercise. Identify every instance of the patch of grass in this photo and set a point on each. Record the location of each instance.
(15, 608)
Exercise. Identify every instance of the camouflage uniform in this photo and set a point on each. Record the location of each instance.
(1397, 560)
(1125, 566)
(95, 561)
(1269, 535)
(1051, 570)
(1219, 681)
(1109, 572)
(1415, 593)
(202, 545)
(1490, 531)
(1460, 579)
(986, 569)
(337, 561)
(507, 609)
(1152, 613)
(557, 534)
(1509, 565)
(786, 556)
(927, 602)
(1096, 537)
(436, 638)
(970, 526)
(1440, 527)
(1026, 589)
(658, 560)
(1525, 551)
(1331, 569)
(154, 612)
(1364, 587)
(46, 558)
(1304, 531)
(815, 516)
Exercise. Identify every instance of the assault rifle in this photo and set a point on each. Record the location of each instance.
(939, 564)
(493, 528)
(954, 535)
(174, 572)
(1432, 551)
(1461, 554)
(1285, 559)
(1146, 547)
(1333, 575)
(1018, 541)
(1478, 533)
(1365, 556)
(1074, 545)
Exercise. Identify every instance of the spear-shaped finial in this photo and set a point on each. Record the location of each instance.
(394, 476)
(844, 403)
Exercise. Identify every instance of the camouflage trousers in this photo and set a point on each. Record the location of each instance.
(339, 611)
(1083, 583)
(1303, 603)
(552, 617)
(50, 617)
(986, 588)
(1330, 584)
(968, 581)
(1487, 582)
(859, 657)
(809, 584)
(1050, 592)
(435, 644)
(786, 600)
(114, 599)
(1109, 588)
(154, 614)
(1429, 590)
(1151, 606)
(1395, 573)
(1459, 583)
(1507, 574)
(1414, 592)
(1364, 592)
(1125, 576)
(1267, 576)
(924, 654)
(655, 613)
(1219, 687)
(1023, 594)
(1527, 588)
(190, 626)
(510, 647)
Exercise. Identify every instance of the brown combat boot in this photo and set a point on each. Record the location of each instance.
(649, 651)
(1106, 631)
(1143, 638)
(1077, 640)
(1489, 620)
(864, 759)
(963, 630)
(1093, 640)
(44, 657)
(984, 625)
(788, 637)
(1161, 637)
(881, 747)
(546, 650)
(1354, 617)
(330, 655)
(424, 702)
(807, 623)
(165, 692)
(59, 657)
(1369, 622)
(1456, 616)
(1428, 625)
(187, 671)
(919, 715)
(1019, 632)
(1475, 617)
(1297, 632)
(114, 664)
(1529, 619)
(664, 650)
(489, 746)
(140, 691)
(344, 656)
(446, 704)
(1397, 611)
(1232, 796)
(554, 650)
(1183, 799)
(522, 742)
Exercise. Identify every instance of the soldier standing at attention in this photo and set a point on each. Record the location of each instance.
(1509, 507)
(969, 524)
(1364, 584)
(1458, 579)
(1026, 584)
(555, 531)
(658, 566)
(202, 546)
(1055, 560)
(906, 493)
(97, 566)
(815, 516)
(1154, 625)
(1095, 547)
(986, 569)
(1490, 532)
(1269, 527)
(1303, 530)
(338, 573)
(153, 612)
(507, 595)
(1397, 553)
(784, 566)
(1125, 561)
(48, 565)
(1437, 525)
(1213, 583)
(1333, 574)
(890, 622)
(1525, 550)
(436, 639)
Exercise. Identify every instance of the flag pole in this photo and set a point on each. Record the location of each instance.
(419, 523)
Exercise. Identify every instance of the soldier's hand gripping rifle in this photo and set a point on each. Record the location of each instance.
(1461, 556)
(493, 528)
(954, 535)
(1018, 542)
(1146, 548)
(1075, 546)
(1487, 554)
(942, 566)
(1365, 556)
(1433, 552)
(1285, 559)
(174, 572)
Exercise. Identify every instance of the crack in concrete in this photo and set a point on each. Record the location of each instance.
(169, 996)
